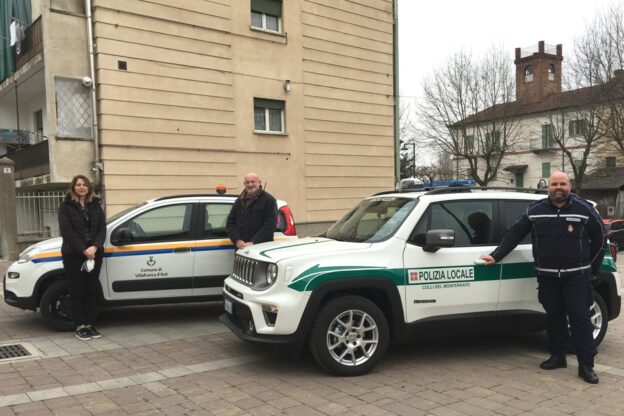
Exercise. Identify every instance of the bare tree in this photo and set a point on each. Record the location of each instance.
(427, 174)
(597, 64)
(577, 132)
(408, 141)
(599, 51)
(465, 112)
(445, 166)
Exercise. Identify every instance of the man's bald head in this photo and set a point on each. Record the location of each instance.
(559, 187)
(252, 182)
(559, 176)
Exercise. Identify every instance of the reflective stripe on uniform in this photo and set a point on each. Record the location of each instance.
(585, 217)
(576, 269)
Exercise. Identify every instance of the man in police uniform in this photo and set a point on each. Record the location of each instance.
(253, 217)
(568, 246)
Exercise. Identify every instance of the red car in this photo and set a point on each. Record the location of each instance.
(615, 232)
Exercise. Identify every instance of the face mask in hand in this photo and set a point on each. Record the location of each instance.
(88, 265)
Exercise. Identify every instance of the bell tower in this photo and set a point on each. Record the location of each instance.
(538, 74)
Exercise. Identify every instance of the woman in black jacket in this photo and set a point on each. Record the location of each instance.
(83, 228)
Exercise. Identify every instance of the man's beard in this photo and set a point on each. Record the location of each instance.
(558, 195)
(253, 193)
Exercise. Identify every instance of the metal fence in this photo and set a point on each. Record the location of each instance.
(37, 213)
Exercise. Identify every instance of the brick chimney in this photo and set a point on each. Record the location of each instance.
(538, 73)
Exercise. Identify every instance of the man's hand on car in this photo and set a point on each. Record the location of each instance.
(489, 260)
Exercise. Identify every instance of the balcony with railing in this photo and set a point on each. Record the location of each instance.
(29, 150)
(539, 145)
(31, 45)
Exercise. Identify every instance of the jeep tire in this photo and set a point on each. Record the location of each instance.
(599, 318)
(55, 307)
(349, 336)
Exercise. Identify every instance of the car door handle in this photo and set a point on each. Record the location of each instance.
(181, 249)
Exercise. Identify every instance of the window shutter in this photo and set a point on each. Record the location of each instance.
(571, 128)
(469, 144)
(272, 7)
(266, 103)
(545, 169)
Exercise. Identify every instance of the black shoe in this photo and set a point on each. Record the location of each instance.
(94, 332)
(84, 334)
(554, 362)
(587, 373)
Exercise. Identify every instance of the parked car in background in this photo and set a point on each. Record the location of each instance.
(615, 231)
(166, 250)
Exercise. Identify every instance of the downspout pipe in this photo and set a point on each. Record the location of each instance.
(395, 91)
(97, 163)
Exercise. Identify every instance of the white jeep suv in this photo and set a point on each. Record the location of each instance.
(398, 265)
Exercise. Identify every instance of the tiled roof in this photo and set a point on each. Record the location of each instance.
(567, 99)
(604, 178)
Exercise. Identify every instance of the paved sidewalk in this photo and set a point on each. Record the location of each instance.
(179, 360)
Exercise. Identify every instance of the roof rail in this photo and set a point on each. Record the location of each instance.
(445, 190)
(163, 198)
(387, 192)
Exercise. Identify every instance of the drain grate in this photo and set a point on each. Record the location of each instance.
(13, 351)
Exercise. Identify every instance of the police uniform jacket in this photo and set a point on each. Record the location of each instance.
(255, 222)
(570, 239)
(77, 234)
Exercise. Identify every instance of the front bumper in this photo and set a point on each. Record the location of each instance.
(12, 299)
(241, 323)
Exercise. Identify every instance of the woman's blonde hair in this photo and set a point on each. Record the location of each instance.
(72, 193)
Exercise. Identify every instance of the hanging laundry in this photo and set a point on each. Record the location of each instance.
(19, 36)
(12, 31)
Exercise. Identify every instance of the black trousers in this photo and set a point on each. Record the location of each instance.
(82, 288)
(568, 299)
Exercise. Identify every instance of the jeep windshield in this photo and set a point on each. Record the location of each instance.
(372, 220)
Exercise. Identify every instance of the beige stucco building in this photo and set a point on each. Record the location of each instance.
(193, 94)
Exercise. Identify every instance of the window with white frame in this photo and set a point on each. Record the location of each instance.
(268, 116)
(577, 128)
(267, 15)
(610, 161)
(492, 142)
(547, 136)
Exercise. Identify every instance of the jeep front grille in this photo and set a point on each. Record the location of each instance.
(244, 269)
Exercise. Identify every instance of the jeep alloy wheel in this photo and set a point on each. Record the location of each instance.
(350, 336)
(599, 318)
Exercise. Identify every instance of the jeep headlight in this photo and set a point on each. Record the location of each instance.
(271, 275)
(28, 254)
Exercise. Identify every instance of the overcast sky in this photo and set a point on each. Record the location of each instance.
(431, 30)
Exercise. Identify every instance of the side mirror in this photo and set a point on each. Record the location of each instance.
(436, 239)
(121, 236)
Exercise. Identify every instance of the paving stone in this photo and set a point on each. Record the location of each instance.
(192, 365)
(47, 394)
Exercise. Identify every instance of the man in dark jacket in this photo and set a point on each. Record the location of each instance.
(253, 216)
(568, 246)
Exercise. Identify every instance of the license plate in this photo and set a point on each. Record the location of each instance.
(229, 307)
